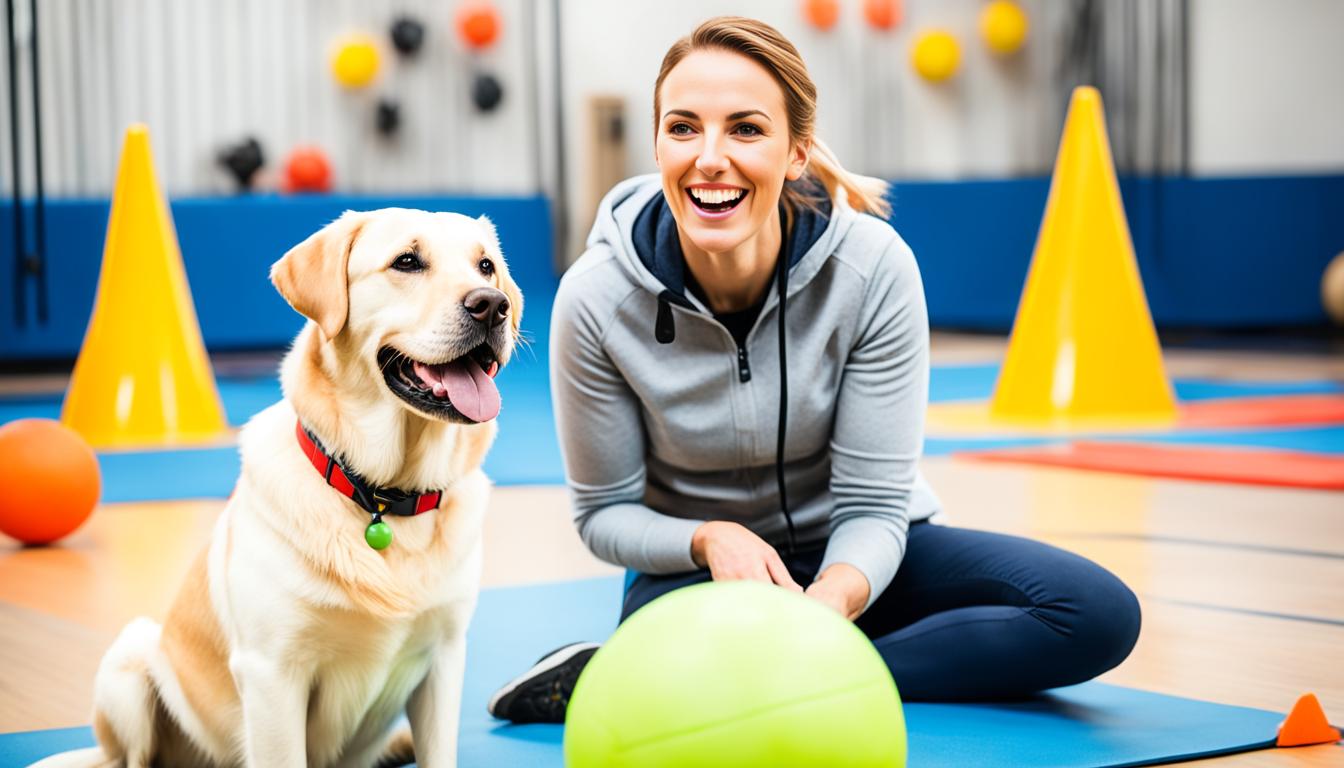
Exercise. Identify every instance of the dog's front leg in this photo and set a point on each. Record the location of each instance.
(275, 707)
(436, 704)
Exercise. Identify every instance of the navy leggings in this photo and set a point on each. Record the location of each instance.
(975, 616)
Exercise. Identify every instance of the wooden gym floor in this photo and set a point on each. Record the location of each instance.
(1242, 587)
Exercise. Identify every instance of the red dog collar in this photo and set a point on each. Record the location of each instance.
(374, 500)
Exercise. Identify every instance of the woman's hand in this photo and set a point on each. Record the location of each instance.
(734, 553)
(842, 587)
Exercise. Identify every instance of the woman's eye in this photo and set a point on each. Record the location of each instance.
(749, 130)
(486, 266)
(679, 129)
(408, 262)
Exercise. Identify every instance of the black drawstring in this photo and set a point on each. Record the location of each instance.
(664, 329)
(783, 281)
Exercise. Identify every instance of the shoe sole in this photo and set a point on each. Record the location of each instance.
(538, 672)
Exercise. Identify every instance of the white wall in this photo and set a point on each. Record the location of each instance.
(1266, 95)
(205, 73)
(1267, 90)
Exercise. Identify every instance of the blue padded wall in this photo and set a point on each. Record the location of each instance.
(1233, 252)
(228, 246)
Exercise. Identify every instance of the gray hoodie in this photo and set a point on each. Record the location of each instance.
(660, 434)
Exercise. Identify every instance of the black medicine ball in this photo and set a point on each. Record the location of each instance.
(243, 160)
(486, 92)
(408, 35)
(389, 117)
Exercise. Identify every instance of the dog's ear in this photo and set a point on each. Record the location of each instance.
(312, 276)
(490, 239)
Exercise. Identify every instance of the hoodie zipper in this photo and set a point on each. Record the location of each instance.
(743, 367)
(665, 330)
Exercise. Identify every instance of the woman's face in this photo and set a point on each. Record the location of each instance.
(723, 147)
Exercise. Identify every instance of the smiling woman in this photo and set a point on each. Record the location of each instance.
(751, 262)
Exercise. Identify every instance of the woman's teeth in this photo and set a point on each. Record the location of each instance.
(716, 196)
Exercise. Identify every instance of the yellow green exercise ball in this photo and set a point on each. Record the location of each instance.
(735, 675)
(936, 55)
(1332, 289)
(1003, 25)
(355, 62)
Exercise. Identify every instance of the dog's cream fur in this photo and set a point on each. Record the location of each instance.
(292, 642)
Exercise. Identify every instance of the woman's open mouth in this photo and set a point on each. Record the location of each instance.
(463, 388)
(715, 203)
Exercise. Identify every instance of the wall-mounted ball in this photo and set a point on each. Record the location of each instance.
(478, 23)
(243, 160)
(822, 14)
(936, 55)
(408, 35)
(388, 117)
(307, 170)
(354, 63)
(1003, 25)
(883, 14)
(486, 92)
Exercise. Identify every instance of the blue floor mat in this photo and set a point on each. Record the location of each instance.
(1086, 725)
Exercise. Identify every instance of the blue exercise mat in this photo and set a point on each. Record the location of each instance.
(1092, 725)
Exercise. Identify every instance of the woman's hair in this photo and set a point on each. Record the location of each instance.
(764, 44)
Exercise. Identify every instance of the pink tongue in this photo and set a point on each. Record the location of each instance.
(466, 386)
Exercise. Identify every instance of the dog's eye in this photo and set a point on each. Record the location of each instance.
(486, 266)
(408, 262)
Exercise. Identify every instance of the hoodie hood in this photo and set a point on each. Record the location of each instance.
(635, 222)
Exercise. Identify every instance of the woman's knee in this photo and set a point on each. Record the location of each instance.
(1107, 622)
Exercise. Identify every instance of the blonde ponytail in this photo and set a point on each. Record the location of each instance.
(864, 194)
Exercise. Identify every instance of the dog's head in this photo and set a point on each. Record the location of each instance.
(423, 299)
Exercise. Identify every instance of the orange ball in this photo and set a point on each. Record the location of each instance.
(478, 23)
(307, 170)
(822, 14)
(50, 480)
(882, 14)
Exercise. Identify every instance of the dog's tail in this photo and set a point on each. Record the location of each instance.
(125, 702)
(94, 757)
(124, 705)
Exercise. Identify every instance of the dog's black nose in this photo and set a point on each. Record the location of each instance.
(487, 305)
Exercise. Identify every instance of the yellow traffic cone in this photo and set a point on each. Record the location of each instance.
(1083, 351)
(142, 377)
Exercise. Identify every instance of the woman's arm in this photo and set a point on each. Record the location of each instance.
(879, 431)
(601, 435)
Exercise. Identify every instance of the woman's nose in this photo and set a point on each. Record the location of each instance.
(712, 160)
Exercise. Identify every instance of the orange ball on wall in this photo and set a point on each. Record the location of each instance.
(822, 14)
(478, 23)
(883, 14)
(50, 480)
(307, 170)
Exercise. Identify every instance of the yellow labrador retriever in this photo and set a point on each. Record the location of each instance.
(336, 589)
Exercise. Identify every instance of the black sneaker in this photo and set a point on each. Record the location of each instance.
(541, 694)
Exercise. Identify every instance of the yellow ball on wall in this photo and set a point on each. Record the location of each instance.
(355, 62)
(1003, 25)
(936, 55)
